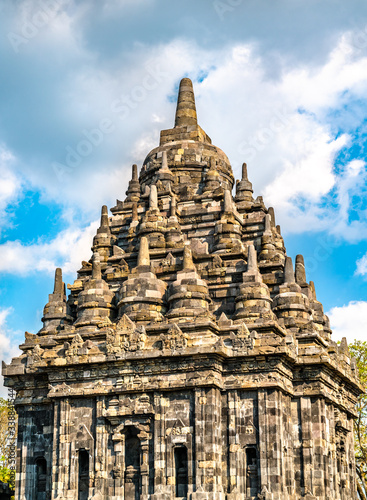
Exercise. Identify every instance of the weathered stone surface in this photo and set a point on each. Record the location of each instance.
(189, 360)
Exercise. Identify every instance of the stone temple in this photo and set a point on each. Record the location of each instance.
(191, 359)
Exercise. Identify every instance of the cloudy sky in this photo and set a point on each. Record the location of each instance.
(86, 86)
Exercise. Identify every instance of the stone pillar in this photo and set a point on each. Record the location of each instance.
(119, 468)
(55, 470)
(25, 482)
(144, 464)
(271, 444)
(162, 490)
(335, 474)
(297, 471)
(239, 483)
(62, 459)
(233, 446)
(208, 445)
(101, 448)
(307, 444)
(329, 452)
(318, 434)
(351, 460)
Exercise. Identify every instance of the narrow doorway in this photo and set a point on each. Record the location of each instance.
(41, 478)
(83, 483)
(181, 470)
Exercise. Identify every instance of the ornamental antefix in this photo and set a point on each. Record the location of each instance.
(191, 358)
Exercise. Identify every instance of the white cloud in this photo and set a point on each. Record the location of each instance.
(111, 6)
(67, 250)
(320, 88)
(8, 343)
(31, 27)
(84, 192)
(349, 321)
(361, 266)
(279, 122)
(7, 349)
(350, 189)
(10, 185)
(282, 127)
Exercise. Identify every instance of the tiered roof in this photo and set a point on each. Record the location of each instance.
(181, 268)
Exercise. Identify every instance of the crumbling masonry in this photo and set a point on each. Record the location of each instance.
(191, 359)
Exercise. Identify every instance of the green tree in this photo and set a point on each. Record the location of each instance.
(8, 428)
(359, 350)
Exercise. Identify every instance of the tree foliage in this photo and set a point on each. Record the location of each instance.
(8, 438)
(359, 350)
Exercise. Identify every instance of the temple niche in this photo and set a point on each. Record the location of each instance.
(190, 358)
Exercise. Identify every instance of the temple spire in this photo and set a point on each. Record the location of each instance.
(173, 206)
(288, 271)
(164, 161)
(133, 190)
(244, 172)
(313, 290)
(55, 312)
(143, 256)
(228, 204)
(134, 212)
(300, 270)
(104, 217)
(103, 238)
(252, 259)
(244, 191)
(96, 267)
(153, 198)
(272, 215)
(186, 109)
(134, 176)
(58, 286)
(187, 258)
(267, 222)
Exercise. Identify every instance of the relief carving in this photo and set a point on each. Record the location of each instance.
(242, 340)
(174, 338)
(127, 336)
(35, 355)
(73, 348)
(135, 341)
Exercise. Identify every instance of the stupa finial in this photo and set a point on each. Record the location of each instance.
(186, 109)
(134, 212)
(228, 203)
(244, 172)
(288, 271)
(134, 176)
(143, 256)
(164, 161)
(58, 286)
(153, 197)
(173, 206)
(267, 222)
(272, 215)
(104, 216)
(300, 271)
(188, 263)
(96, 267)
(252, 259)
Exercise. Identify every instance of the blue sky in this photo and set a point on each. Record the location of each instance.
(86, 86)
